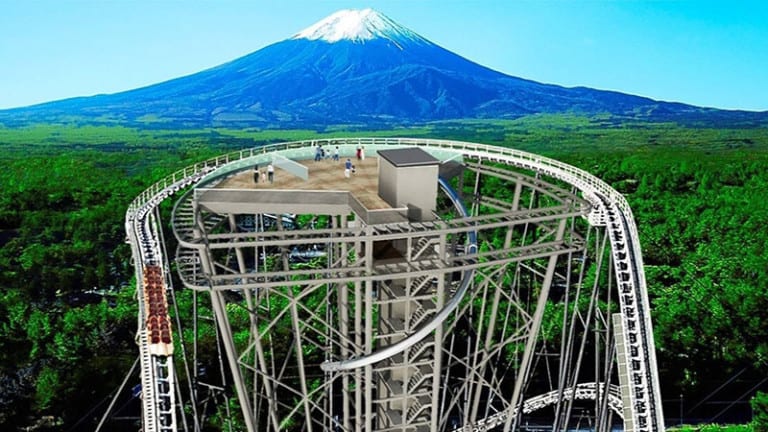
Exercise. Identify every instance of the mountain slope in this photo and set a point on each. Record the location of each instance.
(353, 66)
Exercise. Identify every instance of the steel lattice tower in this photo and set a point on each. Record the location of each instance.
(517, 298)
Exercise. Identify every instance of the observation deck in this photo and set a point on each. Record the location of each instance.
(326, 175)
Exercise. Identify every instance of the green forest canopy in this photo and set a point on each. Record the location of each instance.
(698, 196)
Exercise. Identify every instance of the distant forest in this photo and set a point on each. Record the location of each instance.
(67, 306)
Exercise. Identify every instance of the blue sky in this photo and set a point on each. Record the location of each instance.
(707, 53)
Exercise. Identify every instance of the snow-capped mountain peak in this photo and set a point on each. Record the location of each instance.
(358, 26)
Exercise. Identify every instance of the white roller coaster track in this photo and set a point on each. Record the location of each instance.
(585, 391)
(610, 209)
(157, 375)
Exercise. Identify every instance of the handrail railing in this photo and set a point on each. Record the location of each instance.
(590, 181)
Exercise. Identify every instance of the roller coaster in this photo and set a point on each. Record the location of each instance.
(519, 299)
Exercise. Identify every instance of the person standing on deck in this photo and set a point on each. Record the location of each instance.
(256, 173)
(271, 172)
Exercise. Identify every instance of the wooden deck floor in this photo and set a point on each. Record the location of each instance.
(323, 175)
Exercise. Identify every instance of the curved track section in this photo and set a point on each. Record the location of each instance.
(584, 391)
(437, 320)
(640, 386)
(611, 209)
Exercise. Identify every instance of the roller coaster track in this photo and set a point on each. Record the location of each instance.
(639, 382)
(427, 328)
(157, 374)
(584, 391)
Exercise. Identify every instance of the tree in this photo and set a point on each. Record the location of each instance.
(759, 405)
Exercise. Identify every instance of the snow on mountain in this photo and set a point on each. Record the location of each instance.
(353, 67)
(358, 26)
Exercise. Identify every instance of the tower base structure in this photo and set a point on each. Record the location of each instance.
(470, 288)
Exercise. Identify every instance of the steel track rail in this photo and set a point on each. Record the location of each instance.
(610, 209)
(157, 375)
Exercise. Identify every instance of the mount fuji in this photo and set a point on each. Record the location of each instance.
(353, 67)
